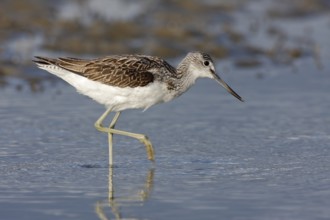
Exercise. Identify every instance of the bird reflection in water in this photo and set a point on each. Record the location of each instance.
(115, 202)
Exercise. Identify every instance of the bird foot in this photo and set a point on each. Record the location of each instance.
(150, 151)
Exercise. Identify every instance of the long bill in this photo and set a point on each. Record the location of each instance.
(225, 85)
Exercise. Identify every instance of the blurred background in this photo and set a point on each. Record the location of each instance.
(216, 158)
(254, 34)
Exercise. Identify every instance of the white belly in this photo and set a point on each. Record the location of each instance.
(115, 97)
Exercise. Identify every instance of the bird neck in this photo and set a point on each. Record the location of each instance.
(186, 77)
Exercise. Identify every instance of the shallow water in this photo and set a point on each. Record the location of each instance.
(216, 158)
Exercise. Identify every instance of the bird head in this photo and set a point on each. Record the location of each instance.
(202, 66)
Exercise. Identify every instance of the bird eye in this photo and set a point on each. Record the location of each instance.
(206, 63)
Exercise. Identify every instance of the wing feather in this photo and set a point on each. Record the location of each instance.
(120, 71)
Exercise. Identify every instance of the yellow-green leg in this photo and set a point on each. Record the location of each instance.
(110, 130)
(110, 135)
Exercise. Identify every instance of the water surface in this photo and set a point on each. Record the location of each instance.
(216, 158)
